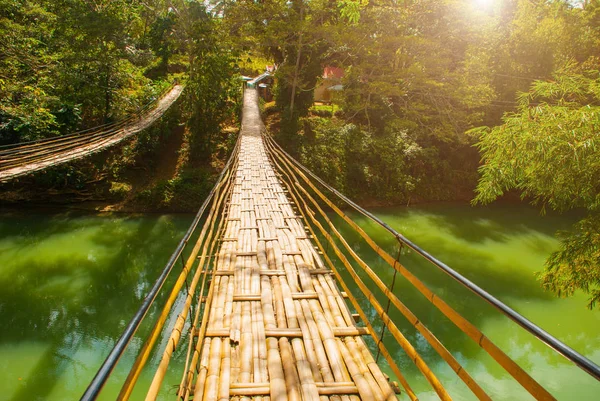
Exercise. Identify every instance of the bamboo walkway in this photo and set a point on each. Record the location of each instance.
(278, 326)
(262, 313)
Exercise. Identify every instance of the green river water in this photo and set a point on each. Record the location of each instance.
(70, 282)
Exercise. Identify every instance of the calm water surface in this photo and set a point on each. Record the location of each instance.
(501, 248)
(69, 283)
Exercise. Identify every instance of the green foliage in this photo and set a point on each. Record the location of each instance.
(213, 89)
(324, 110)
(182, 193)
(296, 36)
(364, 166)
(430, 69)
(161, 39)
(419, 76)
(350, 9)
(269, 108)
(26, 68)
(549, 150)
(70, 64)
(576, 266)
(253, 65)
(120, 189)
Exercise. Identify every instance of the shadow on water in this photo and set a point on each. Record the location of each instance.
(474, 262)
(495, 222)
(76, 295)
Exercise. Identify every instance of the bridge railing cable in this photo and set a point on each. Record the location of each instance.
(303, 184)
(215, 198)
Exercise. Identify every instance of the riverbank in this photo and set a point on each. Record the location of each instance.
(154, 172)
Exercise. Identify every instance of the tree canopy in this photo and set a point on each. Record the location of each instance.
(420, 77)
(549, 150)
(423, 79)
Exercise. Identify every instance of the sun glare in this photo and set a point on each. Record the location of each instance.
(483, 4)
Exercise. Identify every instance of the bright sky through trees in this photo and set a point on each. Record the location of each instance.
(484, 4)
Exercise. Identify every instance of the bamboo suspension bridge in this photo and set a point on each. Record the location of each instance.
(29, 157)
(271, 302)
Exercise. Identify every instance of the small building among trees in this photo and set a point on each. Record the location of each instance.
(329, 83)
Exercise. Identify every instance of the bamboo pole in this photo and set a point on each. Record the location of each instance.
(279, 306)
(256, 372)
(184, 387)
(186, 380)
(324, 301)
(256, 389)
(326, 334)
(197, 350)
(352, 351)
(211, 387)
(366, 320)
(311, 355)
(403, 342)
(266, 300)
(347, 315)
(292, 381)
(356, 364)
(382, 381)
(225, 374)
(196, 319)
(305, 378)
(356, 345)
(181, 319)
(246, 344)
(146, 349)
(202, 373)
(274, 361)
(427, 334)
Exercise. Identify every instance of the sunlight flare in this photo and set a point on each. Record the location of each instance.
(483, 4)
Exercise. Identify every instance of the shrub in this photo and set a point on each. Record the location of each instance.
(119, 189)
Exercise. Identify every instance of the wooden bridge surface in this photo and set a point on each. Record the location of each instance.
(278, 327)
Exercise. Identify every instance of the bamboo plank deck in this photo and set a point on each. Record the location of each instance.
(278, 326)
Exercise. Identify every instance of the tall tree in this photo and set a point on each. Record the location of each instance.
(28, 105)
(549, 150)
(213, 87)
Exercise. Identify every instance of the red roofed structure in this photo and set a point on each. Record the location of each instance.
(329, 82)
(333, 73)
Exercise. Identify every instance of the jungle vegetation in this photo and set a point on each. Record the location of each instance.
(441, 99)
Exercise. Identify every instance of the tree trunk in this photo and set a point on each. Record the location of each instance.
(107, 94)
(297, 67)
